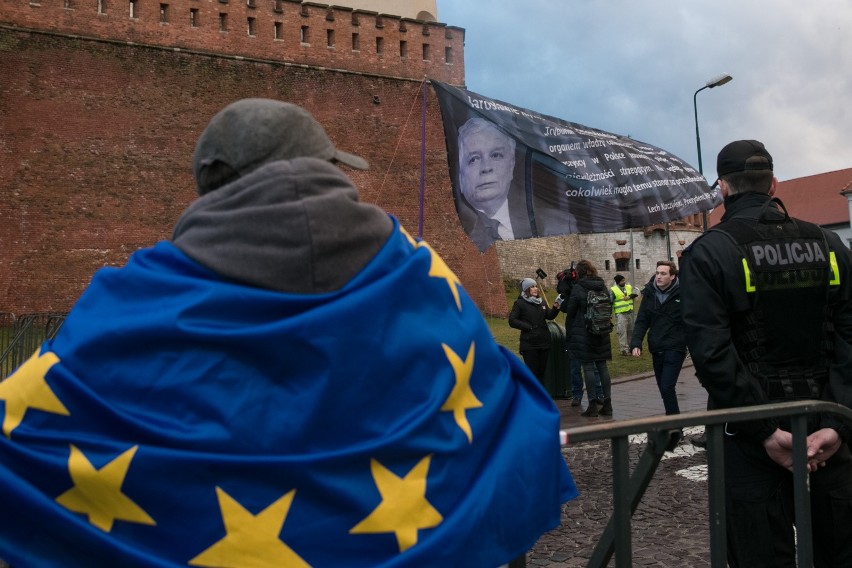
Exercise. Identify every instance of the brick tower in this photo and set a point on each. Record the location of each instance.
(101, 102)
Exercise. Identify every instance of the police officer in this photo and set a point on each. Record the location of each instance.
(768, 318)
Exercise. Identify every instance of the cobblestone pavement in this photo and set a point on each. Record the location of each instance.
(670, 527)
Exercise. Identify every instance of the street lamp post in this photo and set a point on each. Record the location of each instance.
(715, 82)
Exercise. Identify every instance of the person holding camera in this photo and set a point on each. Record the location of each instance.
(566, 280)
(530, 314)
(591, 348)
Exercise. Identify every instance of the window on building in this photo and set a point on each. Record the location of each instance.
(622, 264)
(68, 5)
(164, 13)
(427, 52)
(193, 17)
(250, 26)
(250, 3)
(356, 42)
(277, 30)
(606, 265)
(303, 34)
(132, 6)
(329, 38)
(277, 7)
(637, 264)
(101, 7)
(403, 49)
(223, 22)
(380, 45)
(355, 21)
(448, 54)
(380, 22)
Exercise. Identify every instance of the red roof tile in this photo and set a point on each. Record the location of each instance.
(814, 198)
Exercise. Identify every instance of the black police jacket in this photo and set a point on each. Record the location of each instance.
(713, 291)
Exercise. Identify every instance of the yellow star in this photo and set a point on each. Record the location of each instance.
(97, 492)
(26, 388)
(251, 540)
(439, 269)
(407, 236)
(461, 398)
(404, 508)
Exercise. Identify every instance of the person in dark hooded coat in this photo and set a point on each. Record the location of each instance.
(593, 351)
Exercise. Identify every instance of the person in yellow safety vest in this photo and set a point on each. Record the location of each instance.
(622, 307)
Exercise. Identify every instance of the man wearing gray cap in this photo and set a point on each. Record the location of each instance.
(767, 310)
(259, 391)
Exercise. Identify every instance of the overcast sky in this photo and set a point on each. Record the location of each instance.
(632, 68)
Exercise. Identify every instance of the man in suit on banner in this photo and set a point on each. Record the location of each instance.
(486, 171)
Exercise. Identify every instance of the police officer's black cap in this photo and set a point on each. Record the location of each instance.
(741, 156)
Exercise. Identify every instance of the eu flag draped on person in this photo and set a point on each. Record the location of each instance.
(186, 415)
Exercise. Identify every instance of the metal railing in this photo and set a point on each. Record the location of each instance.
(21, 336)
(628, 488)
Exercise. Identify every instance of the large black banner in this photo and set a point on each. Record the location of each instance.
(518, 174)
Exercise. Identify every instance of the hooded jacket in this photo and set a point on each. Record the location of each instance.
(581, 344)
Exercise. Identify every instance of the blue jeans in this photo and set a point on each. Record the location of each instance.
(577, 381)
(667, 365)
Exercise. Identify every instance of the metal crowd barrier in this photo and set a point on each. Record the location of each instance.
(21, 336)
(628, 488)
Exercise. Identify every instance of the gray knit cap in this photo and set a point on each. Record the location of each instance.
(527, 283)
(252, 132)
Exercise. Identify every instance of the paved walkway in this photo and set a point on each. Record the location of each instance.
(670, 526)
(637, 396)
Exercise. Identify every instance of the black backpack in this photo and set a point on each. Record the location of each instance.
(598, 312)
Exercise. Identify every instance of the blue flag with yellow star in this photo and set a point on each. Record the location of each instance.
(180, 419)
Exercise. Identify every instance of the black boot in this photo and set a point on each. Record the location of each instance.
(606, 409)
(592, 410)
(674, 438)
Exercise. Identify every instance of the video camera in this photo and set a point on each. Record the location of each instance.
(566, 280)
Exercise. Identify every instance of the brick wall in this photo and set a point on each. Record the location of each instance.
(278, 30)
(96, 140)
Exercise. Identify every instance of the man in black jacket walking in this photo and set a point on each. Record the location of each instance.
(660, 317)
(767, 309)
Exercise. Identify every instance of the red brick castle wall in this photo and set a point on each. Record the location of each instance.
(99, 115)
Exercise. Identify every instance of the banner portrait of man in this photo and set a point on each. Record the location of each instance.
(518, 174)
(486, 172)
